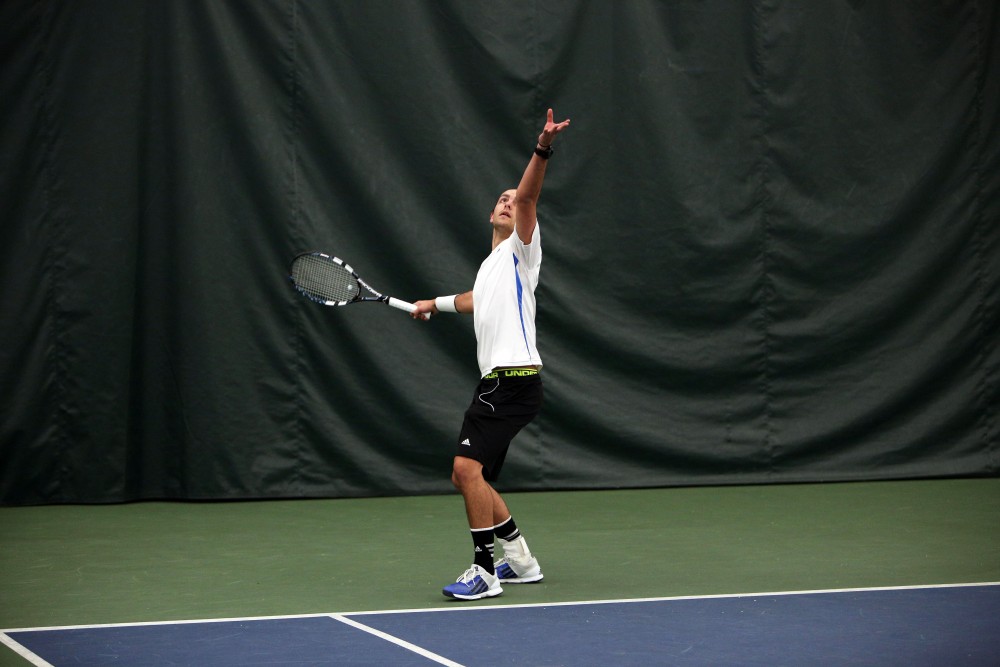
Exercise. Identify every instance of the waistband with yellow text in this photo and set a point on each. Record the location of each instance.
(511, 373)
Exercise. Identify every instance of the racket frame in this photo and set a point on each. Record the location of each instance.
(376, 295)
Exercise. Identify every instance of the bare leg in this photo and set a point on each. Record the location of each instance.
(467, 476)
(500, 511)
(481, 499)
(480, 580)
(485, 509)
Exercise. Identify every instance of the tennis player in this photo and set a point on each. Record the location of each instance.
(509, 394)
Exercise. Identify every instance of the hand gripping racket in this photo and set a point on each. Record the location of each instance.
(332, 282)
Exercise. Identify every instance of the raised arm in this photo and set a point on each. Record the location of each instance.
(530, 187)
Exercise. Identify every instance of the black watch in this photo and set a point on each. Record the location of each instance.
(544, 153)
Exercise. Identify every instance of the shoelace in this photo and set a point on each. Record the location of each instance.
(468, 576)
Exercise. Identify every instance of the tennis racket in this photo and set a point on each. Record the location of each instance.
(330, 281)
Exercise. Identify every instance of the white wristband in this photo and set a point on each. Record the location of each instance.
(446, 304)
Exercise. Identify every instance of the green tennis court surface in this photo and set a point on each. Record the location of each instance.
(156, 562)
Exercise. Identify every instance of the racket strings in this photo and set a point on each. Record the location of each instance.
(323, 278)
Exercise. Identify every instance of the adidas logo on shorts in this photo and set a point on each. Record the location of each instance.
(467, 443)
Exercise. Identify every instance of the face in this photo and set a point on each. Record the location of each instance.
(503, 212)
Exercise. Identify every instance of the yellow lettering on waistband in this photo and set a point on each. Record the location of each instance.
(512, 373)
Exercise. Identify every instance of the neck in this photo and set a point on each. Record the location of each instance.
(499, 236)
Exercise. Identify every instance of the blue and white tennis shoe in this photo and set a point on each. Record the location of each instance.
(518, 571)
(474, 584)
(517, 566)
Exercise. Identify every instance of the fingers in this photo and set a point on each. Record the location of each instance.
(552, 127)
(423, 310)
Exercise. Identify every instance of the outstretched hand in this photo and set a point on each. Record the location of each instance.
(550, 130)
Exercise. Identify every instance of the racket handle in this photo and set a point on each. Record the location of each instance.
(405, 305)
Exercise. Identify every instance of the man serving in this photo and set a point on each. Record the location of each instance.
(509, 394)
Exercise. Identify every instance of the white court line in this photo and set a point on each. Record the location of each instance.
(467, 607)
(31, 657)
(674, 598)
(23, 652)
(36, 660)
(139, 624)
(397, 641)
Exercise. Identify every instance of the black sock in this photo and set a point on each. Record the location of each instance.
(482, 540)
(507, 531)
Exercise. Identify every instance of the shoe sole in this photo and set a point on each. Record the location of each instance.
(478, 596)
(534, 579)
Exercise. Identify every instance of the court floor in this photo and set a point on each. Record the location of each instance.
(936, 625)
(856, 573)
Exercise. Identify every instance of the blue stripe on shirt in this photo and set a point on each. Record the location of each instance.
(520, 304)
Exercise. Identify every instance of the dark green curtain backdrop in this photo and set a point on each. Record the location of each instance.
(771, 241)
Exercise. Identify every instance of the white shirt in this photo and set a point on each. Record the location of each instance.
(503, 300)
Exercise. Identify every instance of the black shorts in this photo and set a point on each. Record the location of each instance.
(505, 402)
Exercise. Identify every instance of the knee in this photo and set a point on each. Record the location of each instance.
(465, 472)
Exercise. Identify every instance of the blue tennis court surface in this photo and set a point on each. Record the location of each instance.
(948, 625)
